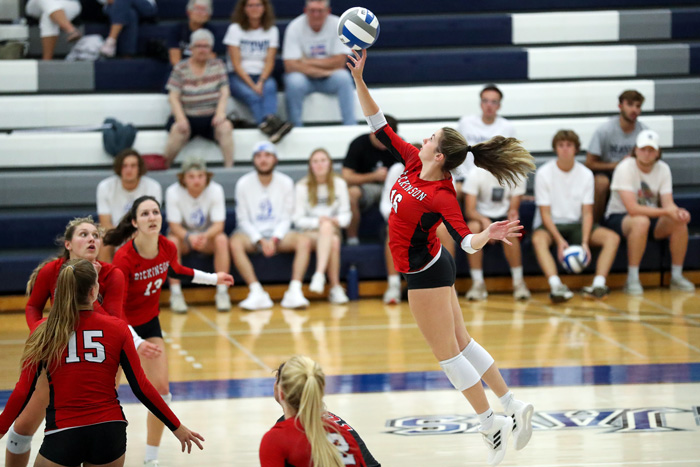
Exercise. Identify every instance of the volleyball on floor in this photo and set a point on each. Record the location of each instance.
(575, 259)
(358, 28)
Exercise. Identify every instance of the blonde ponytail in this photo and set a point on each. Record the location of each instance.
(47, 342)
(303, 384)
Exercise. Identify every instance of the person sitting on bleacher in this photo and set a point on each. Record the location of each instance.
(124, 17)
(198, 16)
(252, 41)
(314, 61)
(612, 142)
(564, 216)
(264, 209)
(196, 211)
(322, 208)
(54, 15)
(198, 95)
(364, 169)
(486, 201)
(116, 194)
(641, 206)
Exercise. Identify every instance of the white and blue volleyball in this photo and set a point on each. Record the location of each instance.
(358, 28)
(575, 259)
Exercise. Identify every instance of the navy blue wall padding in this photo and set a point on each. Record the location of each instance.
(139, 74)
(685, 23)
(694, 59)
(27, 230)
(446, 66)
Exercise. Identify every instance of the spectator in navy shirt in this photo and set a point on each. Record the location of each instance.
(198, 16)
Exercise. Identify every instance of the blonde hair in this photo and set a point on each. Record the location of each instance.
(505, 158)
(312, 183)
(65, 254)
(303, 383)
(47, 342)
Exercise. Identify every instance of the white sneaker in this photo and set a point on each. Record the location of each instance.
(520, 291)
(318, 282)
(392, 296)
(561, 293)
(294, 299)
(152, 463)
(477, 292)
(177, 303)
(223, 301)
(109, 48)
(633, 288)
(497, 438)
(257, 301)
(353, 241)
(337, 295)
(682, 284)
(521, 413)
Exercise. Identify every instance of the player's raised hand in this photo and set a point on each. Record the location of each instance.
(188, 437)
(356, 65)
(503, 230)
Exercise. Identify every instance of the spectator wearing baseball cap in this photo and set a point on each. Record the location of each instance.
(264, 209)
(641, 207)
(196, 212)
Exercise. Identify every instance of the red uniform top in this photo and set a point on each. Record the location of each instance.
(286, 444)
(82, 384)
(109, 301)
(417, 208)
(144, 278)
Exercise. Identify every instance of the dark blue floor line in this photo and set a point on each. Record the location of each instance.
(433, 380)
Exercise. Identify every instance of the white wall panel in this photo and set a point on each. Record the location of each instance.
(582, 62)
(552, 28)
(19, 76)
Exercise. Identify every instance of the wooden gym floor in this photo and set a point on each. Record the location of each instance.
(614, 382)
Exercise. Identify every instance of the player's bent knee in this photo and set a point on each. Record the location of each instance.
(480, 359)
(18, 444)
(460, 372)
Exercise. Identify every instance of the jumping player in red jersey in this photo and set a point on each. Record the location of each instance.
(81, 240)
(84, 422)
(306, 437)
(422, 198)
(146, 262)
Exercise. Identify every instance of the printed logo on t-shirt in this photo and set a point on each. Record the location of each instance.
(251, 47)
(264, 210)
(197, 218)
(318, 50)
(497, 194)
(646, 196)
(617, 152)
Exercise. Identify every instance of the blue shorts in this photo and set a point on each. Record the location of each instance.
(614, 223)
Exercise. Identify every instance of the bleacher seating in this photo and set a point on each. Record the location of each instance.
(557, 69)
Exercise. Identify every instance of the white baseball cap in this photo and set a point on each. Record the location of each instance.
(648, 138)
(265, 146)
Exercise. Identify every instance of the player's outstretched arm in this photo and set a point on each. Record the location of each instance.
(357, 67)
(502, 230)
(187, 437)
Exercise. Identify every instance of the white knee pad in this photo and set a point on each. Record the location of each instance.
(168, 398)
(460, 372)
(478, 356)
(18, 444)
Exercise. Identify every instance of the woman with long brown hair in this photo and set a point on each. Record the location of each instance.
(306, 436)
(322, 208)
(82, 239)
(85, 423)
(146, 262)
(423, 198)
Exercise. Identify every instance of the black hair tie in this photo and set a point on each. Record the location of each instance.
(469, 149)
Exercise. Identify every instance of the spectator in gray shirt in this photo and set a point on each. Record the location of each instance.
(612, 142)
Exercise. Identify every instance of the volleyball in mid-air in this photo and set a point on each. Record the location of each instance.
(575, 259)
(358, 28)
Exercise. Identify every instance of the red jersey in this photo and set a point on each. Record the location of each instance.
(145, 277)
(109, 301)
(82, 384)
(417, 208)
(286, 444)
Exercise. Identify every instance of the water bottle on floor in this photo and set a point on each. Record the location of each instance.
(353, 284)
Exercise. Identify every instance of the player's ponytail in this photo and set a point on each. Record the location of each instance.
(303, 383)
(65, 254)
(505, 158)
(125, 229)
(47, 342)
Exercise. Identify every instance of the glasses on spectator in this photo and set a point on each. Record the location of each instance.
(490, 101)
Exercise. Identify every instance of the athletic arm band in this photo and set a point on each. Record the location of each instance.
(376, 121)
(207, 278)
(467, 244)
(137, 339)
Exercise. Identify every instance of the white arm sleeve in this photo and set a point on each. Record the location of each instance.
(376, 121)
(206, 278)
(467, 244)
(137, 339)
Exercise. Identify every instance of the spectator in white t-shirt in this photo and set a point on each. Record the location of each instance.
(322, 208)
(486, 201)
(314, 61)
(115, 194)
(196, 211)
(252, 41)
(480, 128)
(264, 209)
(641, 206)
(564, 216)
